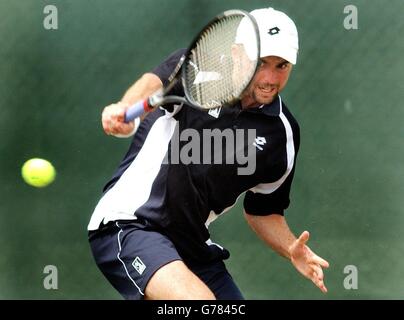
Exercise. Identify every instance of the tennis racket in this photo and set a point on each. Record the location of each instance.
(216, 68)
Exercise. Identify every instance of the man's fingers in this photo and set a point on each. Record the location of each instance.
(121, 111)
(322, 287)
(113, 117)
(124, 128)
(323, 263)
(319, 282)
(119, 128)
(306, 260)
(304, 237)
(318, 272)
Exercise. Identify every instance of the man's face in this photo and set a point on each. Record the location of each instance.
(271, 77)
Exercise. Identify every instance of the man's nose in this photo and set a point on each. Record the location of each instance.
(270, 75)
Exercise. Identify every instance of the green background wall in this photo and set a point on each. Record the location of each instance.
(346, 91)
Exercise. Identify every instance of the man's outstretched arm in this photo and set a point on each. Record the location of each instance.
(113, 115)
(274, 231)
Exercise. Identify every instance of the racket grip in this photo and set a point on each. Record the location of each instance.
(137, 110)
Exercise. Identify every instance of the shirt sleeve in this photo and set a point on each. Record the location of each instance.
(166, 68)
(260, 204)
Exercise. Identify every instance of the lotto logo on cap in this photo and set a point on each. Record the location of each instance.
(278, 34)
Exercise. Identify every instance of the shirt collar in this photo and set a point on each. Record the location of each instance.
(273, 109)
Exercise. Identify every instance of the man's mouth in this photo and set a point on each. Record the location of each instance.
(267, 90)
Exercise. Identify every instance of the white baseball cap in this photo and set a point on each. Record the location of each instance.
(278, 34)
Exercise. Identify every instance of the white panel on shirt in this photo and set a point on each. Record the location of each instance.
(133, 188)
(267, 188)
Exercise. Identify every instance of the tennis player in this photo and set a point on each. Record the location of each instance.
(149, 232)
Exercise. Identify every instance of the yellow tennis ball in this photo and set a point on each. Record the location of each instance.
(38, 172)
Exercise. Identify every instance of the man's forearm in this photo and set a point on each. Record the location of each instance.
(274, 231)
(148, 84)
(113, 115)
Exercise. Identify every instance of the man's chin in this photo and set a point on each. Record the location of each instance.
(266, 99)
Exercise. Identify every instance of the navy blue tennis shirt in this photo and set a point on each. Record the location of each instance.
(181, 198)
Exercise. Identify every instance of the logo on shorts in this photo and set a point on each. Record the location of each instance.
(138, 265)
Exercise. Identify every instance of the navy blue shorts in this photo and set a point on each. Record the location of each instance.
(128, 254)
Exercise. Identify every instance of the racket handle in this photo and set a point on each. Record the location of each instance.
(137, 110)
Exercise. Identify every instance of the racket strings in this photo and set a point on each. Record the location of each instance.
(212, 75)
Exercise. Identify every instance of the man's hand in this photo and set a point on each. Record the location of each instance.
(307, 262)
(113, 117)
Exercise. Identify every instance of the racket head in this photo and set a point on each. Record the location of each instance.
(222, 60)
